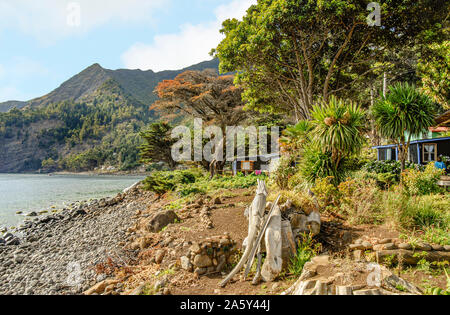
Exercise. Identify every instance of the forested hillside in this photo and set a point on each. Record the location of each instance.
(92, 120)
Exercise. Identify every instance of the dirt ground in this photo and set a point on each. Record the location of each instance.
(228, 217)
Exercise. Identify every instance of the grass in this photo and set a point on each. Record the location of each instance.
(189, 183)
(305, 252)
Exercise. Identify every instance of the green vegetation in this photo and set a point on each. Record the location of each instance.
(195, 181)
(288, 53)
(306, 250)
(403, 113)
(158, 144)
(387, 173)
(103, 130)
(419, 183)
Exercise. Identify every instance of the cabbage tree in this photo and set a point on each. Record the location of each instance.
(403, 113)
(339, 128)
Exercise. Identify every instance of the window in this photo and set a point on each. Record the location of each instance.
(247, 166)
(429, 152)
(387, 154)
(413, 154)
(382, 154)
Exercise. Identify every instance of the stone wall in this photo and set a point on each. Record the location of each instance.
(210, 255)
(396, 250)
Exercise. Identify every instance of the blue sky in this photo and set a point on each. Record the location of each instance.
(45, 42)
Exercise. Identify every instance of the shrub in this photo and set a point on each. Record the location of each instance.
(317, 164)
(418, 213)
(162, 182)
(418, 183)
(359, 201)
(388, 173)
(301, 200)
(284, 172)
(305, 252)
(327, 194)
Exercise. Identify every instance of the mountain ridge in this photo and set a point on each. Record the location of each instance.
(90, 121)
(138, 83)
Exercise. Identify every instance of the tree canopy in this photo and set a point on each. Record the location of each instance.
(158, 144)
(288, 53)
(403, 113)
(202, 94)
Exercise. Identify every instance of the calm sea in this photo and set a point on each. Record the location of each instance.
(28, 193)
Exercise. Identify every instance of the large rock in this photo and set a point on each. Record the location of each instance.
(100, 287)
(410, 257)
(160, 220)
(186, 264)
(202, 261)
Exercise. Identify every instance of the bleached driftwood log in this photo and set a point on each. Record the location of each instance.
(274, 262)
(314, 223)
(288, 246)
(255, 217)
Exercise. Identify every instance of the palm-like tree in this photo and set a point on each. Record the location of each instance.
(403, 113)
(296, 137)
(339, 128)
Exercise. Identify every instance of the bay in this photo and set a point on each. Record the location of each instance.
(26, 193)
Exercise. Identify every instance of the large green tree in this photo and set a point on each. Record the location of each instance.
(158, 144)
(288, 53)
(403, 113)
(434, 69)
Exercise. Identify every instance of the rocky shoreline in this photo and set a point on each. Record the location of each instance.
(60, 253)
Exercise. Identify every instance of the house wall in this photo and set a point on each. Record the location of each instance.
(416, 151)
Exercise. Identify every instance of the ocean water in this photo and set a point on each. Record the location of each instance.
(28, 193)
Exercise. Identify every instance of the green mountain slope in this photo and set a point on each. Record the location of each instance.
(6, 106)
(92, 120)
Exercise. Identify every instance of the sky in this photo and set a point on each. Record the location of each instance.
(45, 42)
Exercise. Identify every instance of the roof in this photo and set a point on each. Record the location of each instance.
(413, 142)
(258, 157)
(443, 120)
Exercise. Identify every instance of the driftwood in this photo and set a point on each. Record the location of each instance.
(410, 257)
(274, 262)
(261, 235)
(288, 246)
(255, 216)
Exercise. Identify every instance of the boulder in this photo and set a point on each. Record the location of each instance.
(367, 292)
(202, 261)
(298, 222)
(186, 264)
(314, 223)
(160, 220)
(405, 246)
(13, 242)
(100, 287)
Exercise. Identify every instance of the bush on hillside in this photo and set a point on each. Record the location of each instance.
(418, 183)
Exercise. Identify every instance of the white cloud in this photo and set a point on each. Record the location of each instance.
(17, 71)
(190, 45)
(10, 93)
(49, 20)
